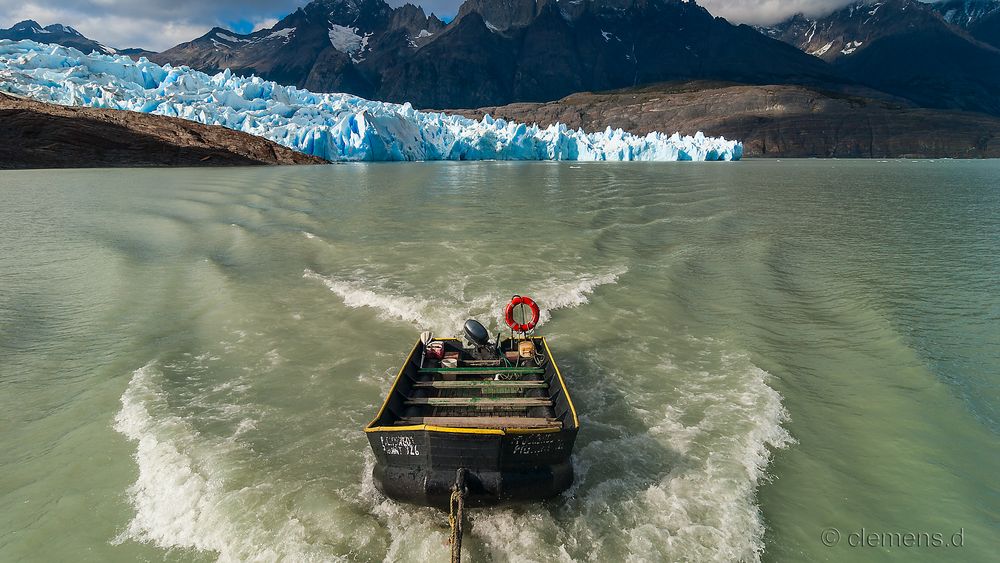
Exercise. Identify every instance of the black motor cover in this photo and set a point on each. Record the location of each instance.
(476, 333)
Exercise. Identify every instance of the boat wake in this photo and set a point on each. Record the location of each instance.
(673, 449)
(182, 496)
(681, 489)
(444, 316)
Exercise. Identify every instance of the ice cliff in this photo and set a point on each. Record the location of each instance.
(332, 126)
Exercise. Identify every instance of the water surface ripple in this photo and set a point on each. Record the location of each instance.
(759, 351)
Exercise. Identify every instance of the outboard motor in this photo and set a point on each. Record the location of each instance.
(476, 333)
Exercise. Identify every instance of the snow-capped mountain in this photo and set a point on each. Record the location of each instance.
(903, 47)
(854, 28)
(55, 33)
(981, 18)
(320, 47)
(967, 13)
(498, 51)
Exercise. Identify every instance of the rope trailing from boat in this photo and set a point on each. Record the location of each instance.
(456, 516)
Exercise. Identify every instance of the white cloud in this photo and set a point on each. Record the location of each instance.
(765, 12)
(265, 23)
(114, 30)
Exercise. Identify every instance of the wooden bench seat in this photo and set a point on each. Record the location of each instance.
(487, 383)
(482, 421)
(482, 402)
(483, 371)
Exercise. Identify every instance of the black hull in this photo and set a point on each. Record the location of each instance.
(419, 467)
(511, 429)
(432, 487)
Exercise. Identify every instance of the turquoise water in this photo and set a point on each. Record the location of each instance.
(761, 352)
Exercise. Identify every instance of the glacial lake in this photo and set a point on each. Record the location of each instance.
(767, 356)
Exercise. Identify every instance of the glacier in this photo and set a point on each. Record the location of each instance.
(337, 127)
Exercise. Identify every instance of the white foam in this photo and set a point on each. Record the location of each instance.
(181, 496)
(708, 504)
(663, 472)
(712, 438)
(555, 294)
(447, 317)
(416, 534)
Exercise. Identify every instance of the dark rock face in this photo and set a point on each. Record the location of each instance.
(500, 14)
(906, 48)
(56, 33)
(848, 32)
(967, 13)
(37, 135)
(498, 51)
(780, 121)
(981, 18)
(987, 30)
(934, 68)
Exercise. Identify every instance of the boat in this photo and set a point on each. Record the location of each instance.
(493, 418)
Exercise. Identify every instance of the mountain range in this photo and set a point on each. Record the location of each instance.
(944, 55)
(496, 52)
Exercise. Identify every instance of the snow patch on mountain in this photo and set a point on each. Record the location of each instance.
(332, 126)
(285, 34)
(851, 46)
(345, 39)
(822, 50)
(230, 38)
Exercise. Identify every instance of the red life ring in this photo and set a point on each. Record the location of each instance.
(509, 314)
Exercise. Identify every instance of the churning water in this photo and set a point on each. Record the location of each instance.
(760, 352)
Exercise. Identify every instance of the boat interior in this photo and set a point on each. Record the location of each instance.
(514, 384)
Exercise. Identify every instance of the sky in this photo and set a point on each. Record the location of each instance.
(158, 25)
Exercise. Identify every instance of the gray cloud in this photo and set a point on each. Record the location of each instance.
(156, 24)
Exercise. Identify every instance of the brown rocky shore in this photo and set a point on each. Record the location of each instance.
(39, 135)
(773, 121)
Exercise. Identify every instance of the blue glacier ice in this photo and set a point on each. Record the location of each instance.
(332, 126)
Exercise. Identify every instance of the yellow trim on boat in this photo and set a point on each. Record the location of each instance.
(412, 427)
(392, 389)
(428, 428)
(562, 382)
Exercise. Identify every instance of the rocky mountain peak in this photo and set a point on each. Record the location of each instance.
(60, 28)
(501, 15)
(415, 22)
(56, 33)
(27, 26)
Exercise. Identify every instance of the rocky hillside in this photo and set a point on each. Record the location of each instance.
(775, 121)
(37, 135)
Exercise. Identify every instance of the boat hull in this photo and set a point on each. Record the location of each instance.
(502, 467)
